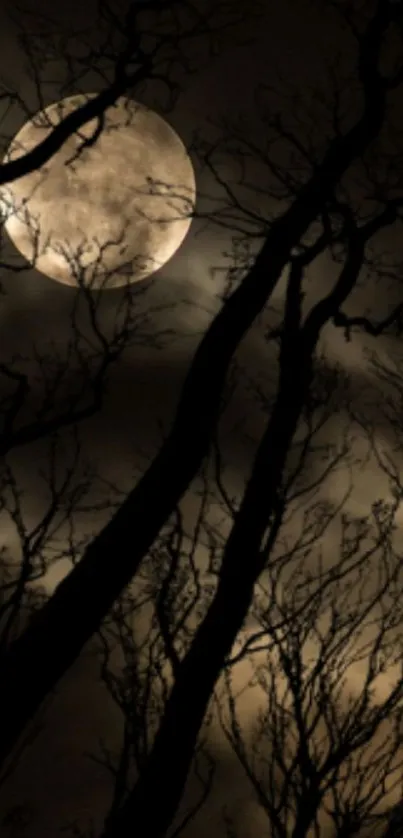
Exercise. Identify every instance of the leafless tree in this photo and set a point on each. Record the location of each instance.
(45, 395)
(319, 215)
(326, 634)
(140, 651)
(324, 752)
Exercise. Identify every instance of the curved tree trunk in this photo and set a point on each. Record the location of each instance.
(200, 669)
(47, 648)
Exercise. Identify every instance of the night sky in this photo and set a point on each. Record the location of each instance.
(56, 779)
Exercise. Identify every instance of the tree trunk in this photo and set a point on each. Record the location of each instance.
(47, 648)
(167, 768)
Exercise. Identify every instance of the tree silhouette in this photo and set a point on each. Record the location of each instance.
(72, 383)
(325, 749)
(321, 217)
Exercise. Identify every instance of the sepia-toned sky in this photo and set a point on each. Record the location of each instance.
(56, 778)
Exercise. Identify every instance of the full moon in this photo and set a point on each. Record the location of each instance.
(104, 215)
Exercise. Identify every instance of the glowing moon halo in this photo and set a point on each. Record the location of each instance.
(114, 215)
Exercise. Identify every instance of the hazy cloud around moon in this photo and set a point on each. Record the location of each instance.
(120, 210)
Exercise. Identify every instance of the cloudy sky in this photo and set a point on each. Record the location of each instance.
(56, 779)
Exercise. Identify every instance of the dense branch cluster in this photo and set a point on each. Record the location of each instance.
(166, 597)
